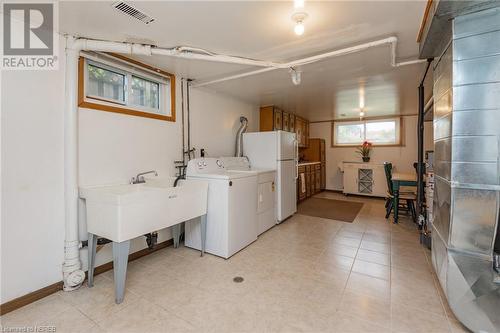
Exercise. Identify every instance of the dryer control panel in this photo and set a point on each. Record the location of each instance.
(204, 165)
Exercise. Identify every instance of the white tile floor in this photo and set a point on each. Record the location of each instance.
(307, 274)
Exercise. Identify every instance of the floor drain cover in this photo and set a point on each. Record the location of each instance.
(238, 279)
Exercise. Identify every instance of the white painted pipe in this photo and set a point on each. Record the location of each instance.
(392, 41)
(182, 53)
(73, 275)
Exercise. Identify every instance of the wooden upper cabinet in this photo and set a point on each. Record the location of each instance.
(286, 121)
(271, 119)
(275, 119)
(298, 129)
(266, 118)
(278, 120)
(291, 123)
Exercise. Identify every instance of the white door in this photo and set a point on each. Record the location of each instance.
(286, 145)
(286, 190)
(242, 205)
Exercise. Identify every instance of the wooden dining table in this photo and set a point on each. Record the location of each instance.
(401, 179)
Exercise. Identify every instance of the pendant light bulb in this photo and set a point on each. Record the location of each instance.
(299, 28)
(299, 18)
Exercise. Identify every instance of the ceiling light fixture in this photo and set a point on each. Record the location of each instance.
(296, 76)
(299, 18)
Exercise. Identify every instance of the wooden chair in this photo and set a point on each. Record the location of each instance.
(406, 195)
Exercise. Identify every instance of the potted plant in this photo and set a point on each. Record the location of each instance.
(364, 150)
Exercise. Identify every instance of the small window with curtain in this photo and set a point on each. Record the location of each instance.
(381, 132)
(115, 83)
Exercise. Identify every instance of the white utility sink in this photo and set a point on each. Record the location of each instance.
(123, 212)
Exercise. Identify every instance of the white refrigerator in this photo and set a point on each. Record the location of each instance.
(276, 150)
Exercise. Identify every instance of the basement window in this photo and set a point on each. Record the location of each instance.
(113, 83)
(380, 132)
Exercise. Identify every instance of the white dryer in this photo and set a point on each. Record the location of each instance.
(231, 211)
(266, 190)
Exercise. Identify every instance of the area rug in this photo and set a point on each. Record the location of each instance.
(332, 209)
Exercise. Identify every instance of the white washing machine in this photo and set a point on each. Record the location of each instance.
(231, 211)
(266, 190)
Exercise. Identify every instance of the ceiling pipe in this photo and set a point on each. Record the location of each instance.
(392, 41)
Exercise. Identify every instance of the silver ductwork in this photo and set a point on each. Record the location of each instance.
(239, 136)
(467, 168)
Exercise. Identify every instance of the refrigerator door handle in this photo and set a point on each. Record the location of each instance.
(296, 144)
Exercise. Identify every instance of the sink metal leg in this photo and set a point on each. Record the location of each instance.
(120, 260)
(92, 245)
(176, 234)
(203, 223)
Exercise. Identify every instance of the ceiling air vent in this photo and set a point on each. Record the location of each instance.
(127, 9)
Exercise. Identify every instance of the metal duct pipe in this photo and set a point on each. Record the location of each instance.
(239, 136)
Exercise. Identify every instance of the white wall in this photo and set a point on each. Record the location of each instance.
(218, 115)
(32, 224)
(113, 148)
(401, 157)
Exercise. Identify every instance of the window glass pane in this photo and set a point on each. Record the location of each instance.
(106, 84)
(381, 132)
(350, 134)
(145, 93)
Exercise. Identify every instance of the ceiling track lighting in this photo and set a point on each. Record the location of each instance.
(299, 18)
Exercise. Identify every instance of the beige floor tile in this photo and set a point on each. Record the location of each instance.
(372, 269)
(367, 308)
(411, 320)
(342, 250)
(348, 323)
(375, 257)
(72, 320)
(352, 242)
(143, 316)
(98, 302)
(369, 286)
(377, 237)
(331, 260)
(350, 234)
(376, 247)
(416, 297)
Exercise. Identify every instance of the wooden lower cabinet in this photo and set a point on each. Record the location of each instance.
(302, 184)
(323, 176)
(317, 178)
(310, 180)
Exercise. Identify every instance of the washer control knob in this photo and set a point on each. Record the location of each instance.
(219, 163)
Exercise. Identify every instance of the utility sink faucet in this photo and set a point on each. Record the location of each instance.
(139, 178)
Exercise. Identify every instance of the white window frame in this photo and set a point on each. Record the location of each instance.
(398, 127)
(128, 71)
